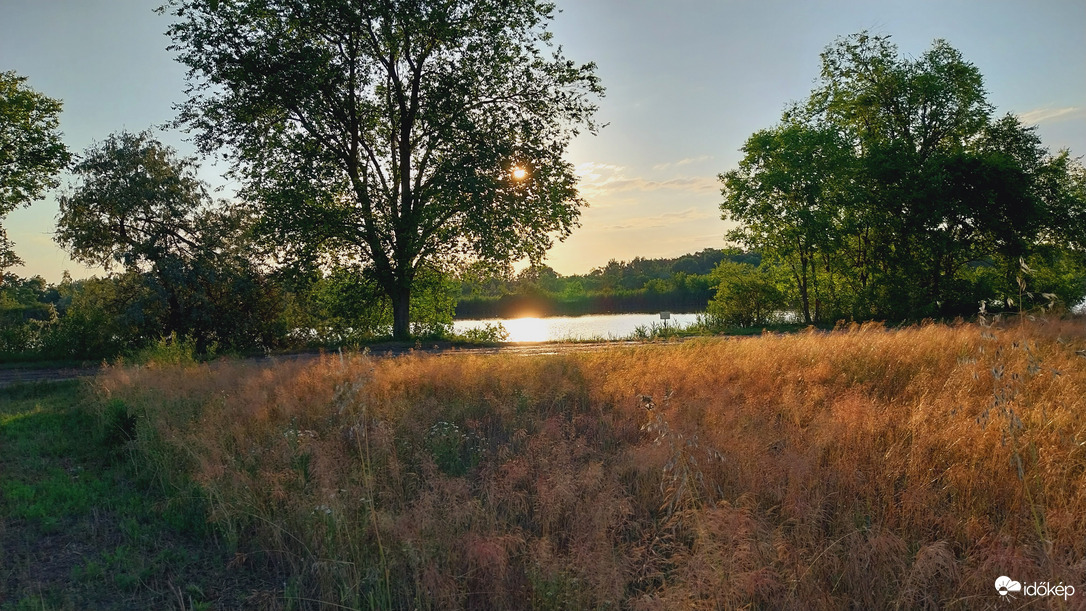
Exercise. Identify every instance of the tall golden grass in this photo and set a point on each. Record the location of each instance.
(861, 469)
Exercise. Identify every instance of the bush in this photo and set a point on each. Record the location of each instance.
(490, 333)
(745, 295)
(173, 350)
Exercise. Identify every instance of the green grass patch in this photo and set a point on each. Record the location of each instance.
(81, 528)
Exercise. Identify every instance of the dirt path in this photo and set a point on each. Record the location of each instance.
(34, 375)
(31, 376)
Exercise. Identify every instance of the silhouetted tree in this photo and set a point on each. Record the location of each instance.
(140, 206)
(389, 132)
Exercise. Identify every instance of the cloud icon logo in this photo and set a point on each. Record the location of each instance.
(1005, 584)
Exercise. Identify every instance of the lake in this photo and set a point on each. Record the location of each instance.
(559, 328)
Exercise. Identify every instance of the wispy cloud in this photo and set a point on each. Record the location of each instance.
(661, 220)
(1041, 115)
(681, 162)
(685, 183)
(592, 173)
(601, 179)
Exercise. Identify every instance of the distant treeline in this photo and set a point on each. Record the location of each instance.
(222, 303)
(681, 284)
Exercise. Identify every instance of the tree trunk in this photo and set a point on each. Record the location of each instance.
(174, 316)
(805, 300)
(401, 311)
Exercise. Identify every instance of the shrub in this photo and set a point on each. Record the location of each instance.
(490, 333)
(745, 295)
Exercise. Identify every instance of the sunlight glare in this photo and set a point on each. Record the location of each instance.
(519, 173)
(526, 329)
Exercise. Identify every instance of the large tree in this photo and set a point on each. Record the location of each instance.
(905, 118)
(403, 134)
(135, 204)
(894, 176)
(140, 206)
(31, 150)
(787, 196)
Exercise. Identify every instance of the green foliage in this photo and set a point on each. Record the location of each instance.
(892, 189)
(346, 306)
(387, 133)
(82, 320)
(26, 315)
(137, 204)
(454, 451)
(433, 303)
(746, 296)
(228, 306)
(66, 484)
(140, 206)
(106, 317)
(173, 350)
(786, 195)
(1058, 272)
(490, 333)
(117, 424)
(31, 150)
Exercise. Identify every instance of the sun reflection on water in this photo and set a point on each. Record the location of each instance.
(532, 328)
(528, 329)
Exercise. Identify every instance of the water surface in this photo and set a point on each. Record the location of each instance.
(559, 328)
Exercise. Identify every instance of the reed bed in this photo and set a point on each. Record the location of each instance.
(861, 469)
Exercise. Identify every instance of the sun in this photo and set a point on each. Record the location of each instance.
(519, 173)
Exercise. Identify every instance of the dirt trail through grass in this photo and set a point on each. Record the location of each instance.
(32, 375)
(9, 377)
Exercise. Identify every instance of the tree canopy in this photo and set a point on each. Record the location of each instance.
(786, 195)
(404, 135)
(140, 206)
(892, 191)
(31, 150)
(137, 203)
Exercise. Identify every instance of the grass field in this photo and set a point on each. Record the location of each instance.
(80, 528)
(860, 469)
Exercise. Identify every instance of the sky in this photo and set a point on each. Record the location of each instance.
(688, 81)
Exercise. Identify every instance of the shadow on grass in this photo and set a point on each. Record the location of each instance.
(80, 529)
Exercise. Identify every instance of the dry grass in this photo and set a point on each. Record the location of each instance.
(863, 469)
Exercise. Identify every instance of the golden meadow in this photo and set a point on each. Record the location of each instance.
(863, 468)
